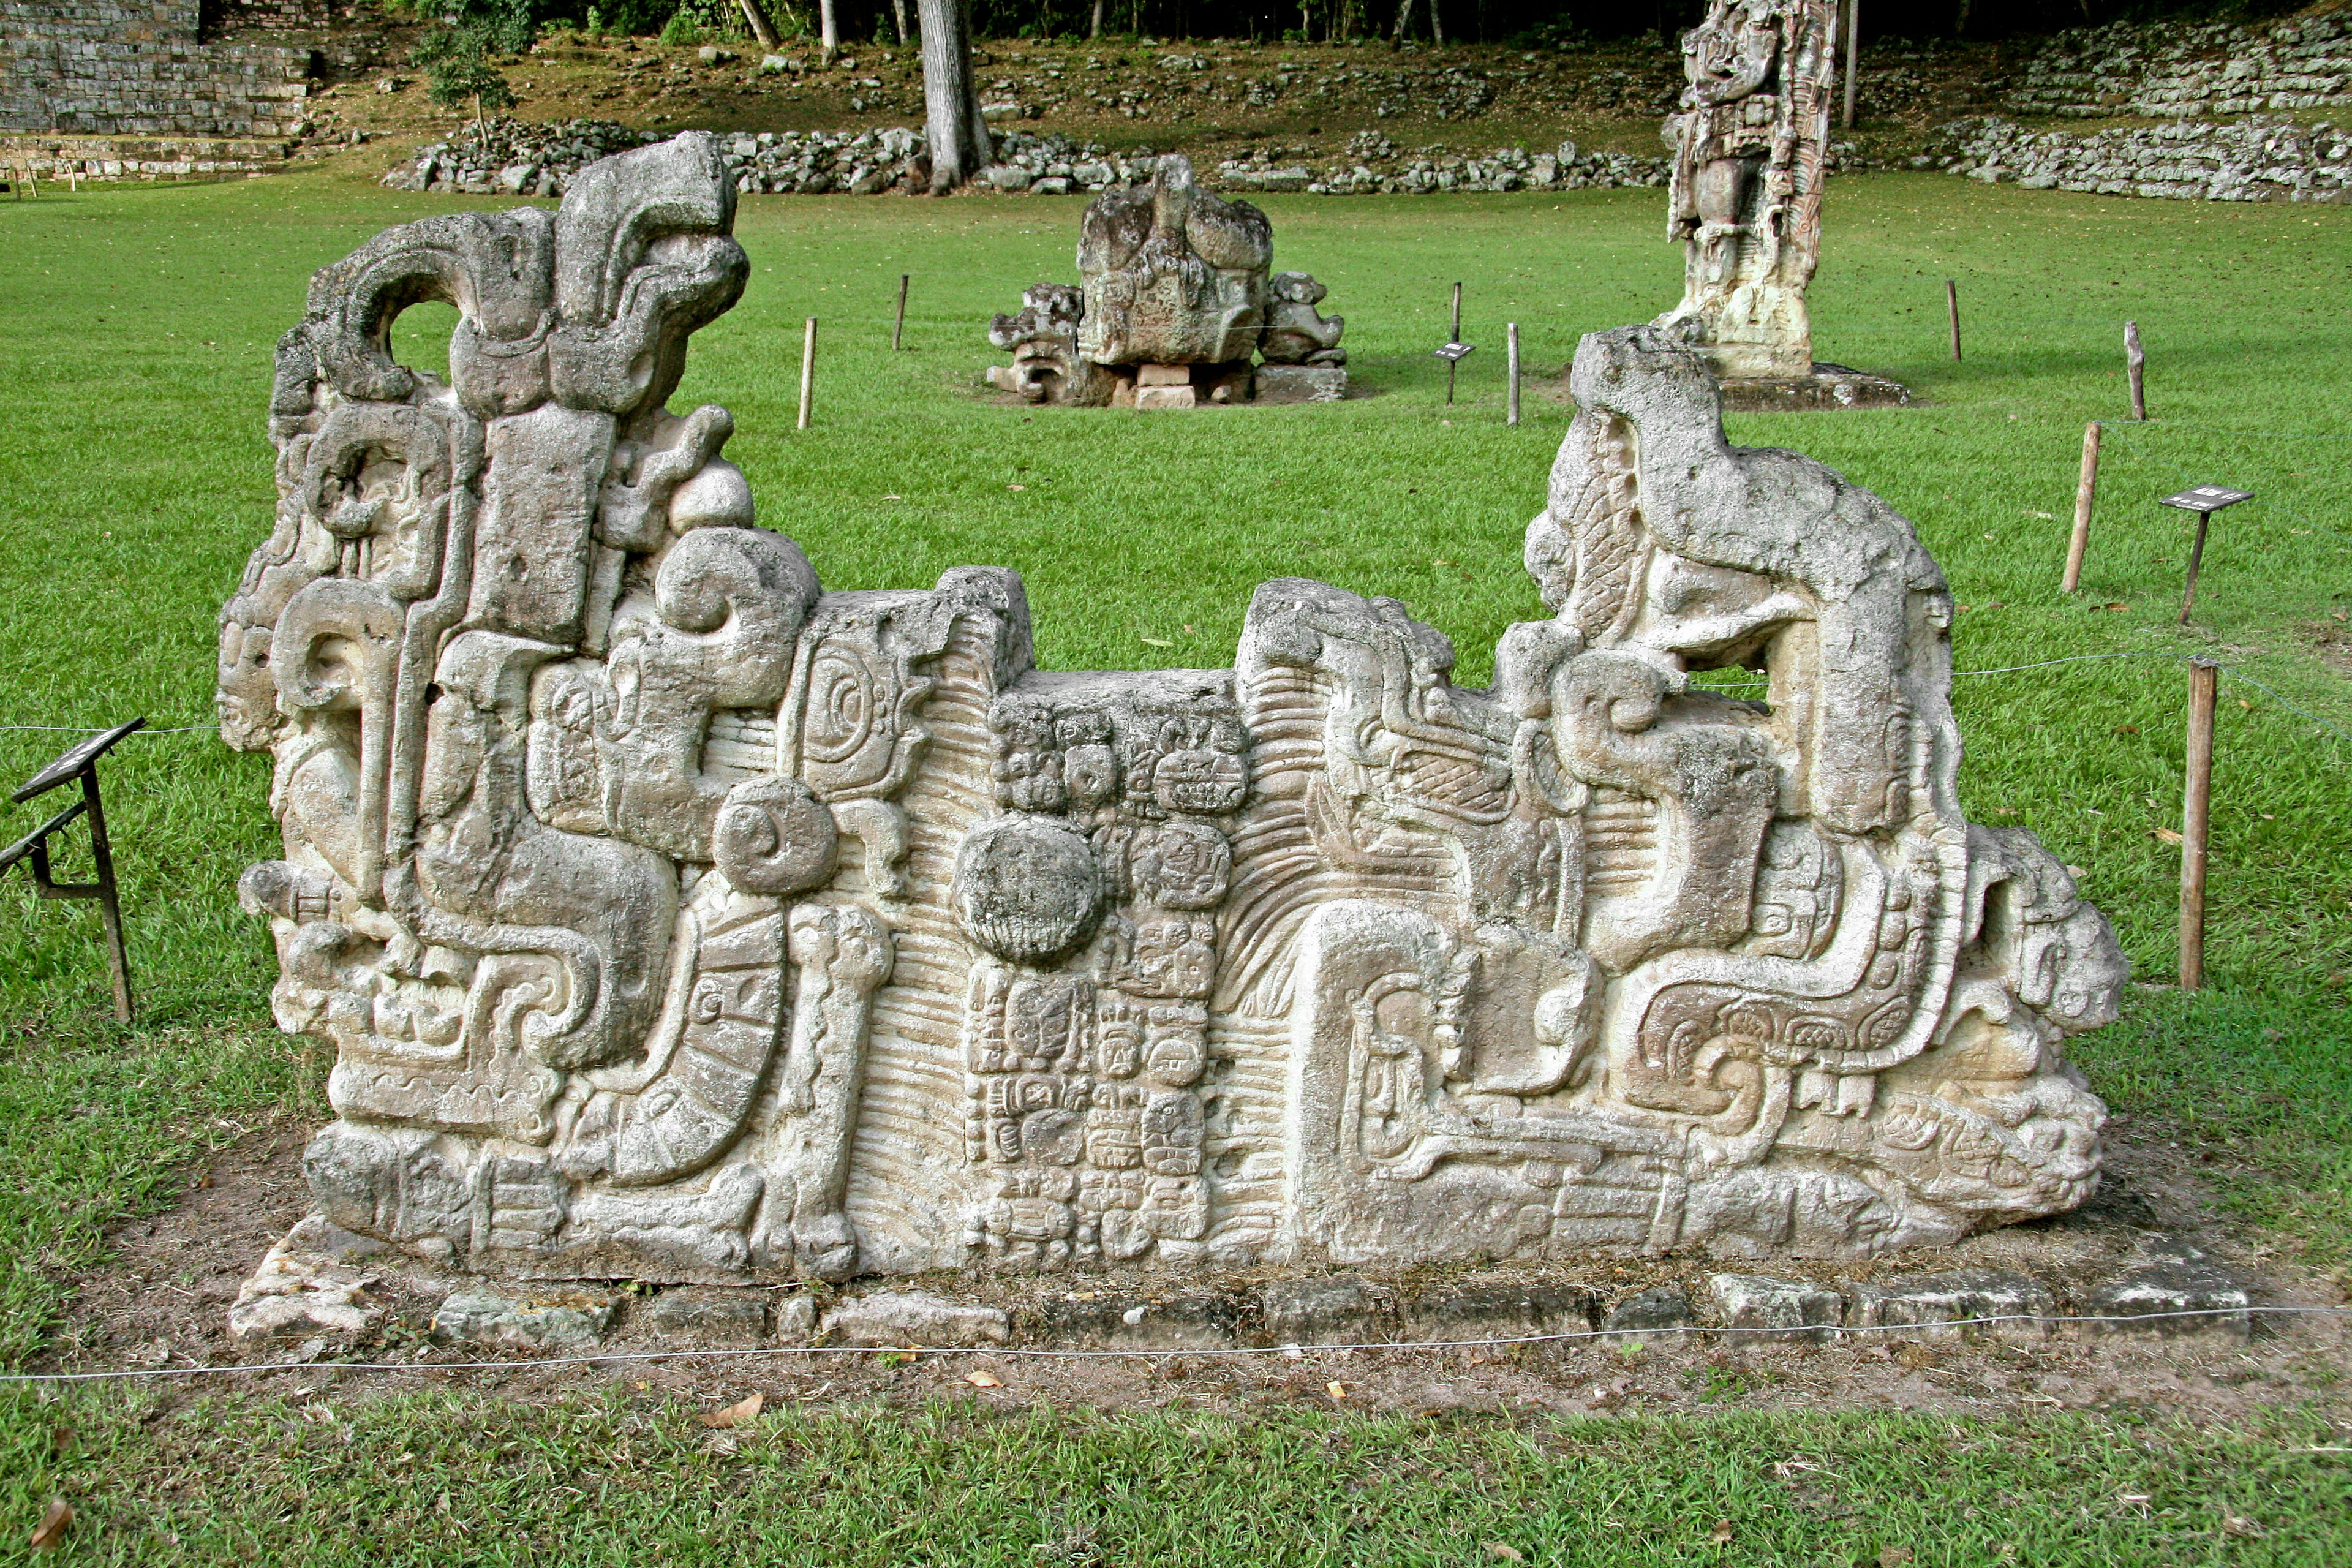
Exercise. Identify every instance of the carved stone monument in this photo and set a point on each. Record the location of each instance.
(673, 918)
(1744, 201)
(1175, 295)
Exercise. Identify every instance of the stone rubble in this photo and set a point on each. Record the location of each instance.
(2264, 158)
(514, 157)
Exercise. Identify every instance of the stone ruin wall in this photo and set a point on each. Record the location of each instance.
(2225, 97)
(87, 69)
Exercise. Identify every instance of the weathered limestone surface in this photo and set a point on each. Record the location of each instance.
(1175, 297)
(1745, 199)
(673, 918)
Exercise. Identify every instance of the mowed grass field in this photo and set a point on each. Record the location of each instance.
(136, 474)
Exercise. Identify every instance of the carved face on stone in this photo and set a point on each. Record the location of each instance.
(247, 694)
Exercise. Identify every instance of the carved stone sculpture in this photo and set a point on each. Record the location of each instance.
(1295, 331)
(673, 918)
(1043, 339)
(1745, 197)
(1175, 295)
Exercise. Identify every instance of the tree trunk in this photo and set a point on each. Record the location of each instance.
(761, 28)
(1436, 28)
(1405, 20)
(898, 20)
(828, 29)
(957, 136)
(1093, 29)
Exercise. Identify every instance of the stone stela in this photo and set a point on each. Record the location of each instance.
(1744, 201)
(673, 918)
(1176, 297)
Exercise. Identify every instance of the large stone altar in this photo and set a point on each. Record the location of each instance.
(673, 918)
(1175, 295)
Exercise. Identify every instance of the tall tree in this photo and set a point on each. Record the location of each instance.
(1094, 29)
(761, 28)
(899, 21)
(828, 29)
(951, 118)
(1405, 20)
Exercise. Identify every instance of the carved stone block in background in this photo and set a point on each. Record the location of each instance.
(1745, 196)
(673, 918)
(1176, 294)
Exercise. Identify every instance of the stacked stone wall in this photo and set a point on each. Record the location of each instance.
(2264, 158)
(2172, 71)
(119, 67)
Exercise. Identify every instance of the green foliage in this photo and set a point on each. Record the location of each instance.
(702, 21)
(607, 1475)
(455, 58)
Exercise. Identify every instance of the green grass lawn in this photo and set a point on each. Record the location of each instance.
(136, 475)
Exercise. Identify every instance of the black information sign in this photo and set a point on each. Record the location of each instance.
(2207, 499)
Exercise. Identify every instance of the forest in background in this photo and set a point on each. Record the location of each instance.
(1526, 23)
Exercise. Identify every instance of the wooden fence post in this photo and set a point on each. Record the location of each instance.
(1512, 333)
(2136, 367)
(898, 327)
(808, 370)
(2196, 819)
(1952, 305)
(2086, 490)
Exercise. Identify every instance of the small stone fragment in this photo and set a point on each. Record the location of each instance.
(1761, 1302)
(1339, 1308)
(1944, 1304)
(2179, 1280)
(305, 1284)
(1667, 1307)
(796, 1319)
(1301, 383)
(1499, 1311)
(709, 1312)
(913, 1318)
(559, 1320)
(1193, 1322)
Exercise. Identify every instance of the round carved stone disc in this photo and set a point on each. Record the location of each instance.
(773, 836)
(1027, 887)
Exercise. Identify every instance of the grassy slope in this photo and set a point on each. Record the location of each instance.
(137, 475)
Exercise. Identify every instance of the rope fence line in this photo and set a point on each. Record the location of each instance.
(1023, 1352)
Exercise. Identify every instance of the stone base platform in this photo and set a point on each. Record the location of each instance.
(1831, 386)
(325, 1287)
(1164, 386)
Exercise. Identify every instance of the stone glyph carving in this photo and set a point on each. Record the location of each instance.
(1176, 293)
(1744, 196)
(674, 918)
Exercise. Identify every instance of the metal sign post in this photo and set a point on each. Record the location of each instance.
(79, 761)
(2204, 500)
(1455, 350)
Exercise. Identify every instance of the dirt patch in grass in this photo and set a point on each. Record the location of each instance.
(164, 1300)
